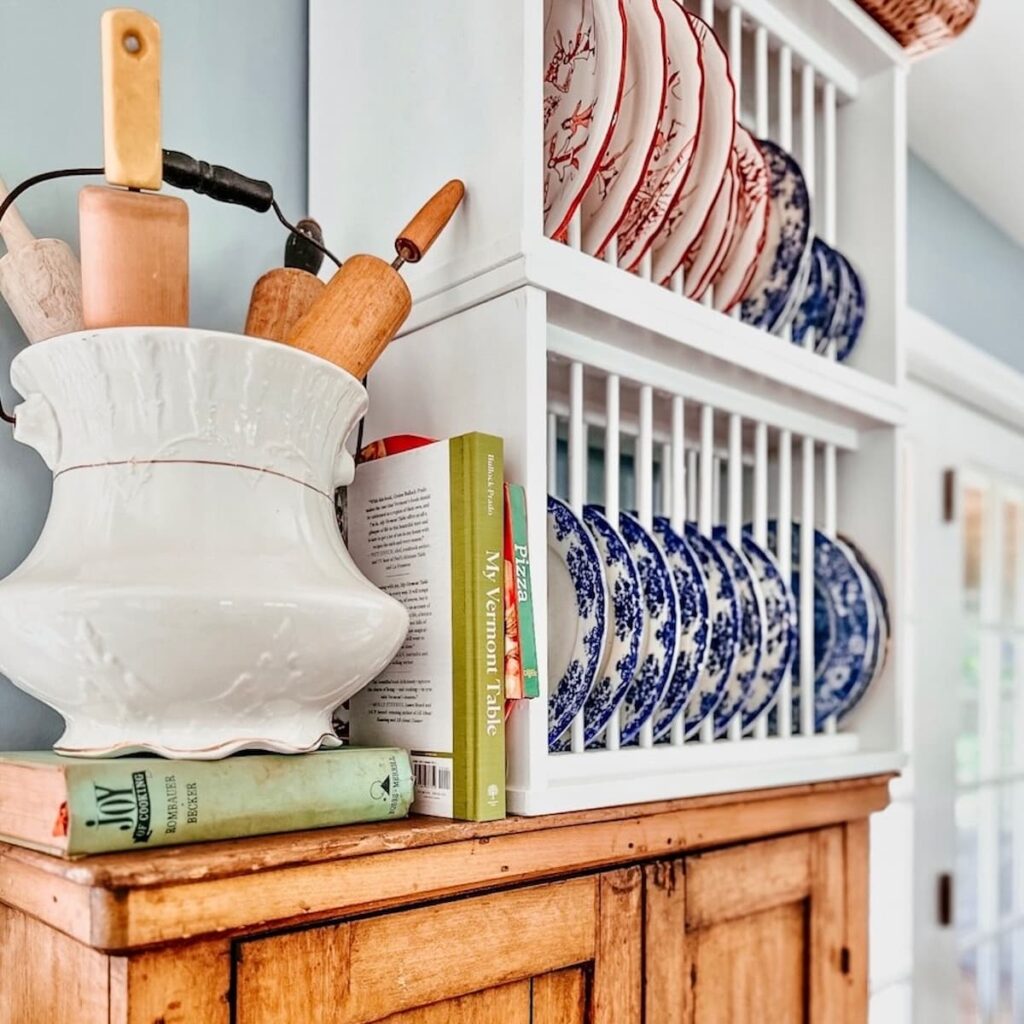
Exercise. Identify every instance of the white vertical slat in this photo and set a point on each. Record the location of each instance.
(708, 298)
(736, 55)
(691, 484)
(784, 552)
(829, 528)
(552, 453)
(786, 117)
(677, 512)
(577, 488)
(734, 522)
(704, 520)
(611, 500)
(574, 232)
(761, 81)
(644, 467)
(716, 491)
(644, 270)
(807, 163)
(786, 98)
(807, 588)
(761, 520)
(611, 251)
(707, 11)
(665, 459)
(677, 282)
(828, 186)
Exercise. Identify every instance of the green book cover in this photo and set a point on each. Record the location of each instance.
(524, 587)
(478, 625)
(426, 525)
(134, 803)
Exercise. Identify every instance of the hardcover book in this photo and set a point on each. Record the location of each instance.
(516, 498)
(73, 806)
(426, 526)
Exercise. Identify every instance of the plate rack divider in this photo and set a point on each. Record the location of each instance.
(607, 386)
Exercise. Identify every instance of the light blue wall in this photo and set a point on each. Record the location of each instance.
(963, 271)
(234, 92)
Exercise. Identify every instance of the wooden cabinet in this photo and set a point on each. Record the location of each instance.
(735, 908)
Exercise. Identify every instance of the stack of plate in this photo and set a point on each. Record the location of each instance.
(675, 629)
(641, 137)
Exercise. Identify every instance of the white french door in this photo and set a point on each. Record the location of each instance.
(966, 567)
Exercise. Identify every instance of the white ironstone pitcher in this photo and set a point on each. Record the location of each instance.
(190, 593)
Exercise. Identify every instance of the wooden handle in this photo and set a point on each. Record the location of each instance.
(423, 229)
(131, 98)
(280, 299)
(356, 315)
(13, 229)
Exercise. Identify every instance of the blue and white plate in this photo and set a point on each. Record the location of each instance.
(723, 616)
(779, 631)
(749, 650)
(625, 634)
(879, 648)
(661, 612)
(819, 296)
(847, 331)
(844, 623)
(577, 615)
(694, 625)
(787, 241)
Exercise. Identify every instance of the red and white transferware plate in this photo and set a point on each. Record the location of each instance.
(692, 205)
(676, 142)
(584, 71)
(621, 170)
(708, 251)
(737, 269)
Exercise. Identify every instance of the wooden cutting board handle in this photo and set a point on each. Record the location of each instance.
(14, 231)
(429, 222)
(131, 99)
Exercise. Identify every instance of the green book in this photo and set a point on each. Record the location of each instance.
(426, 525)
(73, 806)
(524, 591)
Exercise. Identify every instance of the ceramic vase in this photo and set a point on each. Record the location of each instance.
(190, 593)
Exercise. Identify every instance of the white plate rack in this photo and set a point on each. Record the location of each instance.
(514, 333)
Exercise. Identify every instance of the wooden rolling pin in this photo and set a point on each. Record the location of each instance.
(134, 244)
(40, 279)
(281, 297)
(366, 301)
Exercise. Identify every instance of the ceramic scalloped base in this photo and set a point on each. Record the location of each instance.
(97, 740)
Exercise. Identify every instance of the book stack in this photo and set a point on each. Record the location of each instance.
(433, 524)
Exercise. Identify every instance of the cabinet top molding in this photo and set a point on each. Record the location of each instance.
(124, 901)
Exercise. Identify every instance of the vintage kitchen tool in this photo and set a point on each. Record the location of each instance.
(281, 297)
(39, 278)
(366, 301)
(134, 244)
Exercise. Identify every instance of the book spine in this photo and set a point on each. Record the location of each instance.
(136, 804)
(513, 652)
(478, 626)
(524, 591)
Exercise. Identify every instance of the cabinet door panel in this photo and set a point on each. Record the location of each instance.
(562, 952)
(757, 932)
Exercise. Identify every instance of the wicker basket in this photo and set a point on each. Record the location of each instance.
(922, 25)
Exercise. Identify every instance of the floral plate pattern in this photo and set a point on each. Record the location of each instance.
(844, 623)
(584, 65)
(750, 645)
(624, 637)
(787, 241)
(779, 631)
(694, 627)
(578, 615)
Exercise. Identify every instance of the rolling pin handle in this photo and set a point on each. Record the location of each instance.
(420, 233)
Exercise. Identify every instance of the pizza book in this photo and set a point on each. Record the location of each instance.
(426, 525)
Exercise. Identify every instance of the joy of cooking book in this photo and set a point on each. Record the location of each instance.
(74, 806)
(426, 526)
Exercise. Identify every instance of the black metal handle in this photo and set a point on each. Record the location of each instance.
(220, 183)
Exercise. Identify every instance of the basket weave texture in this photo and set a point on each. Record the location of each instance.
(922, 25)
